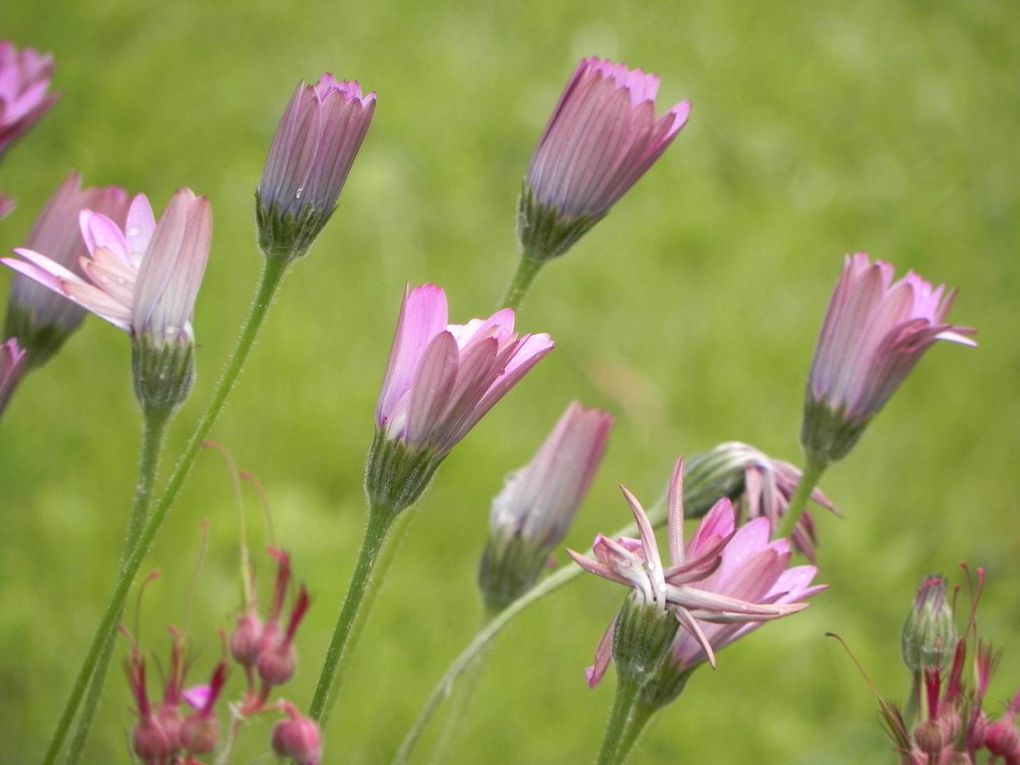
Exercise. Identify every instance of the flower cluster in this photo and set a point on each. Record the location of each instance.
(742, 579)
(952, 727)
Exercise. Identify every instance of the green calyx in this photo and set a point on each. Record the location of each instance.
(396, 476)
(827, 434)
(508, 569)
(163, 373)
(543, 231)
(642, 640)
(286, 236)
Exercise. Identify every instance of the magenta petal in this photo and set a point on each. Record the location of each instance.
(431, 388)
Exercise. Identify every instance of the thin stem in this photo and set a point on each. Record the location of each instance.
(483, 637)
(272, 274)
(636, 724)
(152, 442)
(376, 532)
(914, 700)
(527, 269)
(813, 470)
(612, 752)
(462, 695)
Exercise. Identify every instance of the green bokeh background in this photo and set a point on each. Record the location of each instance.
(691, 312)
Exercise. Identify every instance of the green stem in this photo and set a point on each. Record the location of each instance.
(527, 269)
(460, 702)
(639, 718)
(914, 700)
(272, 274)
(481, 640)
(152, 443)
(619, 720)
(813, 470)
(376, 533)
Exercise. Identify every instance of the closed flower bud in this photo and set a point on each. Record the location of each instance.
(246, 640)
(276, 663)
(928, 638)
(151, 743)
(297, 737)
(312, 153)
(929, 737)
(199, 733)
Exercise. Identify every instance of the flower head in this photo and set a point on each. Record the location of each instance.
(24, 81)
(13, 361)
(602, 137)
(875, 331)
(143, 278)
(440, 381)
(758, 485)
(315, 145)
(742, 577)
(538, 503)
(40, 318)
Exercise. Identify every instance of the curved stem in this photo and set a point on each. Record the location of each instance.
(272, 275)
(527, 270)
(798, 503)
(624, 704)
(376, 533)
(152, 443)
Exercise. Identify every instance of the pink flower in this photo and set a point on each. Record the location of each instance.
(602, 137)
(742, 577)
(24, 81)
(40, 318)
(315, 145)
(539, 501)
(875, 331)
(442, 378)
(12, 365)
(144, 278)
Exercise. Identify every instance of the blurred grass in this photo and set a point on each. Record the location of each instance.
(691, 312)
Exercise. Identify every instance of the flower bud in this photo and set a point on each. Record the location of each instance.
(246, 640)
(929, 737)
(199, 733)
(151, 743)
(25, 76)
(929, 635)
(312, 153)
(1002, 739)
(276, 662)
(169, 718)
(297, 737)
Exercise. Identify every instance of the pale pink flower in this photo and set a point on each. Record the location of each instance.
(875, 331)
(40, 318)
(143, 278)
(602, 137)
(442, 378)
(12, 366)
(24, 81)
(737, 588)
(539, 501)
(314, 148)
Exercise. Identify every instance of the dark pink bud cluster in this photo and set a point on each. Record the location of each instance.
(163, 736)
(297, 737)
(266, 649)
(953, 727)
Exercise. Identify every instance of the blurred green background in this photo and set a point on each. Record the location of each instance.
(691, 312)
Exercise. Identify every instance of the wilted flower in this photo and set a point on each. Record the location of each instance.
(24, 81)
(441, 379)
(538, 503)
(39, 318)
(312, 153)
(601, 138)
(12, 366)
(742, 578)
(143, 279)
(758, 485)
(875, 331)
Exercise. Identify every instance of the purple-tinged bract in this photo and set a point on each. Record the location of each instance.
(538, 503)
(24, 91)
(602, 137)
(440, 381)
(875, 331)
(315, 145)
(39, 317)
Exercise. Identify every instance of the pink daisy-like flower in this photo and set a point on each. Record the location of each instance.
(875, 331)
(742, 578)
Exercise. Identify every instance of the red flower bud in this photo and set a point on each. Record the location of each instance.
(199, 733)
(297, 737)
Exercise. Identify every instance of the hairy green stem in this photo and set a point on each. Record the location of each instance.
(527, 270)
(636, 723)
(624, 705)
(813, 470)
(152, 443)
(272, 275)
(376, 533)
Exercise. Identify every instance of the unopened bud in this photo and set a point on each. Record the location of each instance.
(246, 640)
(276, 662)
(929, 737)
(298, 737)
(199, 733)
(150, 741)
(170, 721)
(929, 635)
(1002, 739)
